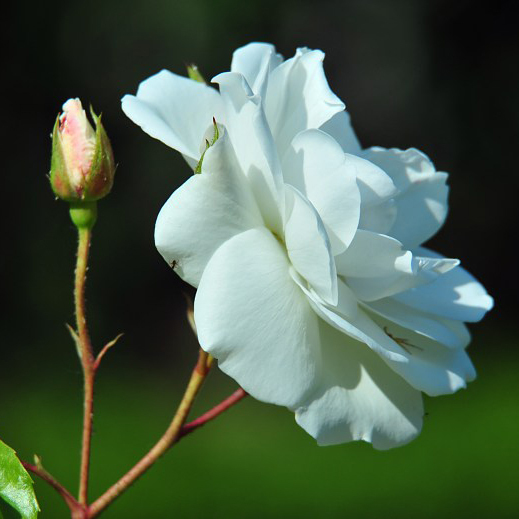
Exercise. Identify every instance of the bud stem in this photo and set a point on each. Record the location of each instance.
(85, 348)
(165, 442)
(83, 214)
(75, 508)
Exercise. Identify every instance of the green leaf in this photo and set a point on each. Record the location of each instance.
(16, 484)
(194, 74)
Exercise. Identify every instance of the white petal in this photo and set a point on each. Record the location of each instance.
(254, 147)
(454, 295)
(253, 318)
(376, 266)
(255, 62)
(445, 331)
(360, 398)
(175, 110)
(298, 97)
(425, 364)
(204, 212)
(316, 166)
(378, 217)
(308, 246)
(377, 212)
(339, 127)
(355, 324)
(374, 185)
(373, 255)
(432, 367)
(422, 199)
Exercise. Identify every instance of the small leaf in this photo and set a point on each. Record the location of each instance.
(216, 135)
(16, 484)
(194, 73)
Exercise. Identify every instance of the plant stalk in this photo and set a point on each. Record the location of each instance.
(168, 438)
(87, 359)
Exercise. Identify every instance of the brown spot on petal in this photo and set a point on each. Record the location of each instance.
(403, 343)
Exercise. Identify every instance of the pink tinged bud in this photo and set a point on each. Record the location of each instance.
(78, 141)
(82, 165)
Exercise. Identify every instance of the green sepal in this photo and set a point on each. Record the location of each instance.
(100, 180)
(194, 74)
(59, 178)
(216, 134)
(97, 182)
(16, 486)
(83, 214)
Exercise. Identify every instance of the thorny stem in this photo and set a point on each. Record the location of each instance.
(76, 508)
(176, 430)
(174, 433)
(212, 413)
(87, 359)
(168, 438)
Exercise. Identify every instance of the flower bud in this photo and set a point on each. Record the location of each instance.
(82, 164)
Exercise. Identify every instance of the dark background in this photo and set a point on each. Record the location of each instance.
(437, 75)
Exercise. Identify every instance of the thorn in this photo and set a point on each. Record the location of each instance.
(106, 347)
(75, 338)
(38, 461)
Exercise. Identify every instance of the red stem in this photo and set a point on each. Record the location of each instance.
(168, 438)
(81, 511)
(176, 431)
(212, 413)
(75, 507)
(87, 359)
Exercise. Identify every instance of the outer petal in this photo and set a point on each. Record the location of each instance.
(175, 110)
(360, 398)
(445, 331)
(315, 164)
(299, 98)
(378, 211)
(255, 62)
(308, 246)
(374, 255)
(340, 128)
(374, 184)
(422, 198)
(425, 364)
(454, 295)
(432, 367)
(204, 212)
(376, 266)
(352, 321)
(253, 318)
(421, 272)
(254, 146)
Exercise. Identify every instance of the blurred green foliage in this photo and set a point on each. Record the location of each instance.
(255, 462)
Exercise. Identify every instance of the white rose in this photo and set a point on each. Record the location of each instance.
(313, 291)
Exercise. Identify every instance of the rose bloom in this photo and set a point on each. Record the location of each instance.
(314, 290)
